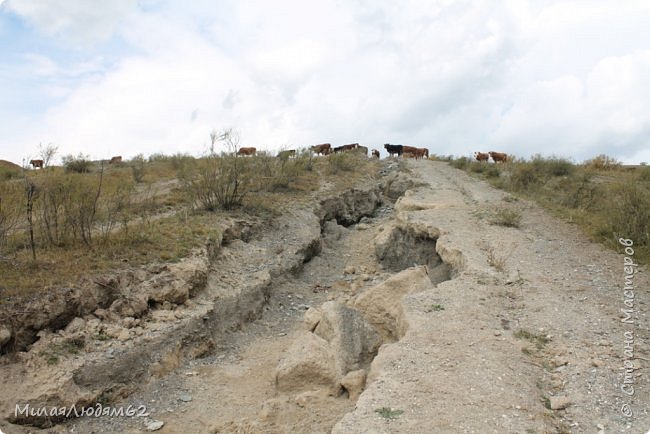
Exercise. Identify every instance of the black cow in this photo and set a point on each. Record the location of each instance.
(394, 149)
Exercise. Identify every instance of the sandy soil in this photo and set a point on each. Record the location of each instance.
(525, 338)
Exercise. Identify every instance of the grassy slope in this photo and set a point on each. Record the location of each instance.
(151, 224)
(607, 201)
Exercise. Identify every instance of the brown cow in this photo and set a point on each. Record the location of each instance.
(350, 147)
(114, 160)
(36, 163)
(421, 153)
(323, 149)
(375, 153)
(498, 157)
(247, 151)
(481, 156)
(409, 151)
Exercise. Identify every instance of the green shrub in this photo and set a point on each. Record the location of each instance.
(460, 163)
(79, 164)
(579, 192)
(222, 182)
(552, 166)
(507, 217)
(523, 177)
(7, 173)
(631, 217)
(341, 162)
(137, 168)
(644, 174)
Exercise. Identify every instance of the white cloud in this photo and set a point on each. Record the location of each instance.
(83, 21)
(564, 77)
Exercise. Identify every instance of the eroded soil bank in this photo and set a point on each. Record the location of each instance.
(365, 316)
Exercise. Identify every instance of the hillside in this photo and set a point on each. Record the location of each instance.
(404, 304)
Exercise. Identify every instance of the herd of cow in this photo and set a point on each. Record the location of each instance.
(406, 151)
(323, 149)
(326, 149)
(38, 164)
(497, 157)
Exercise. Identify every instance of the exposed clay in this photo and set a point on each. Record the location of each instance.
(451, 358)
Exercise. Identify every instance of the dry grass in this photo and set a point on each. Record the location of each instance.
(496, 259)
(154, 220)
(506, 217)
(607, 200)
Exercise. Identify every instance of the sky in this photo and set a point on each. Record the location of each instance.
(568, 78)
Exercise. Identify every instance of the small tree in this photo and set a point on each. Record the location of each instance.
(214, 136)
(47, 153)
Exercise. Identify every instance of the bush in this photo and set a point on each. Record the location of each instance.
(581, 192)
(78, 164)
(523, 177)
(507, 217)
(460, 163)
(222, 182)
(552, 166)
(137, 168)
(9, 172)
(492, 170)
(603, 162)
(68, 207)
(644, 174)
(10, 211)
(341, 162)
(631, 217)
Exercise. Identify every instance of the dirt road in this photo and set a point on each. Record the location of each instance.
(519, 331)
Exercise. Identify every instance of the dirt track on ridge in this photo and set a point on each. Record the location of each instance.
(487, 351)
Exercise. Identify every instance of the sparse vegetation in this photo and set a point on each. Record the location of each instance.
(434, 308)
(539, 340)
(606, 199)
(506, 217)
(341, 162)
(93, 217)
(137, 168)
(603, 162)
(496, 260)
(388, 413)
(79, 164)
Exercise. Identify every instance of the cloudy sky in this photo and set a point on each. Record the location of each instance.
(569, 78)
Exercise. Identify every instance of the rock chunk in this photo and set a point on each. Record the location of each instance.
(354, 382)
(380, 304)
(353, 341)
(308, 362)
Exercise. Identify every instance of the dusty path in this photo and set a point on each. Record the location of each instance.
(530, 320)
(545, 331)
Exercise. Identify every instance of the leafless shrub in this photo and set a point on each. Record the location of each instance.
(137, 168)
(603, 162)
(10, 211)
(495, 260)
(222, 181)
